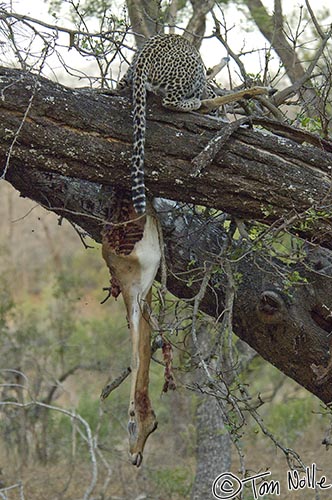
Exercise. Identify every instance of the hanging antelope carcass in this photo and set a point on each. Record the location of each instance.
(131, 249)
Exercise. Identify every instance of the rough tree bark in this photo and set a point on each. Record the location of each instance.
(71, 155)
(145, 19)
(88, 136)
(195, 28)
(213, 442)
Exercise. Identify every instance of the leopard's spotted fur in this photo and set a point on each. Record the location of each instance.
(167, 65)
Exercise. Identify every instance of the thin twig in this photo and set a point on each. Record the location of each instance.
(111, 386)
(314, 20)
(281, 96)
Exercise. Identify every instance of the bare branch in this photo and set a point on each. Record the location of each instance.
(111, 386)
(314, 20)
(272, 29)
(224, 42)
(281, 96)
(4, 14)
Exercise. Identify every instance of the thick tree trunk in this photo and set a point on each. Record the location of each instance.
(72, 153)
(213, 447)
(145, 19)
(213, 442)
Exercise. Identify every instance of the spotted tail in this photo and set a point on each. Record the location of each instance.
(137, 161)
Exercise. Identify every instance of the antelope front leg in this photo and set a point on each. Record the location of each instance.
(142, 419)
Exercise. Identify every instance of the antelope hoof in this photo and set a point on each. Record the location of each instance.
(136, 459)
(138, 432)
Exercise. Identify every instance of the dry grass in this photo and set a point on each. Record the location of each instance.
(69, 481)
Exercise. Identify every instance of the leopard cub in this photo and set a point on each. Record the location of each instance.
(168, 65)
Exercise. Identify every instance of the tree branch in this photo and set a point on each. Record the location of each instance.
(72, 153)
(272, 29)
(87, 136)
(195, 28)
